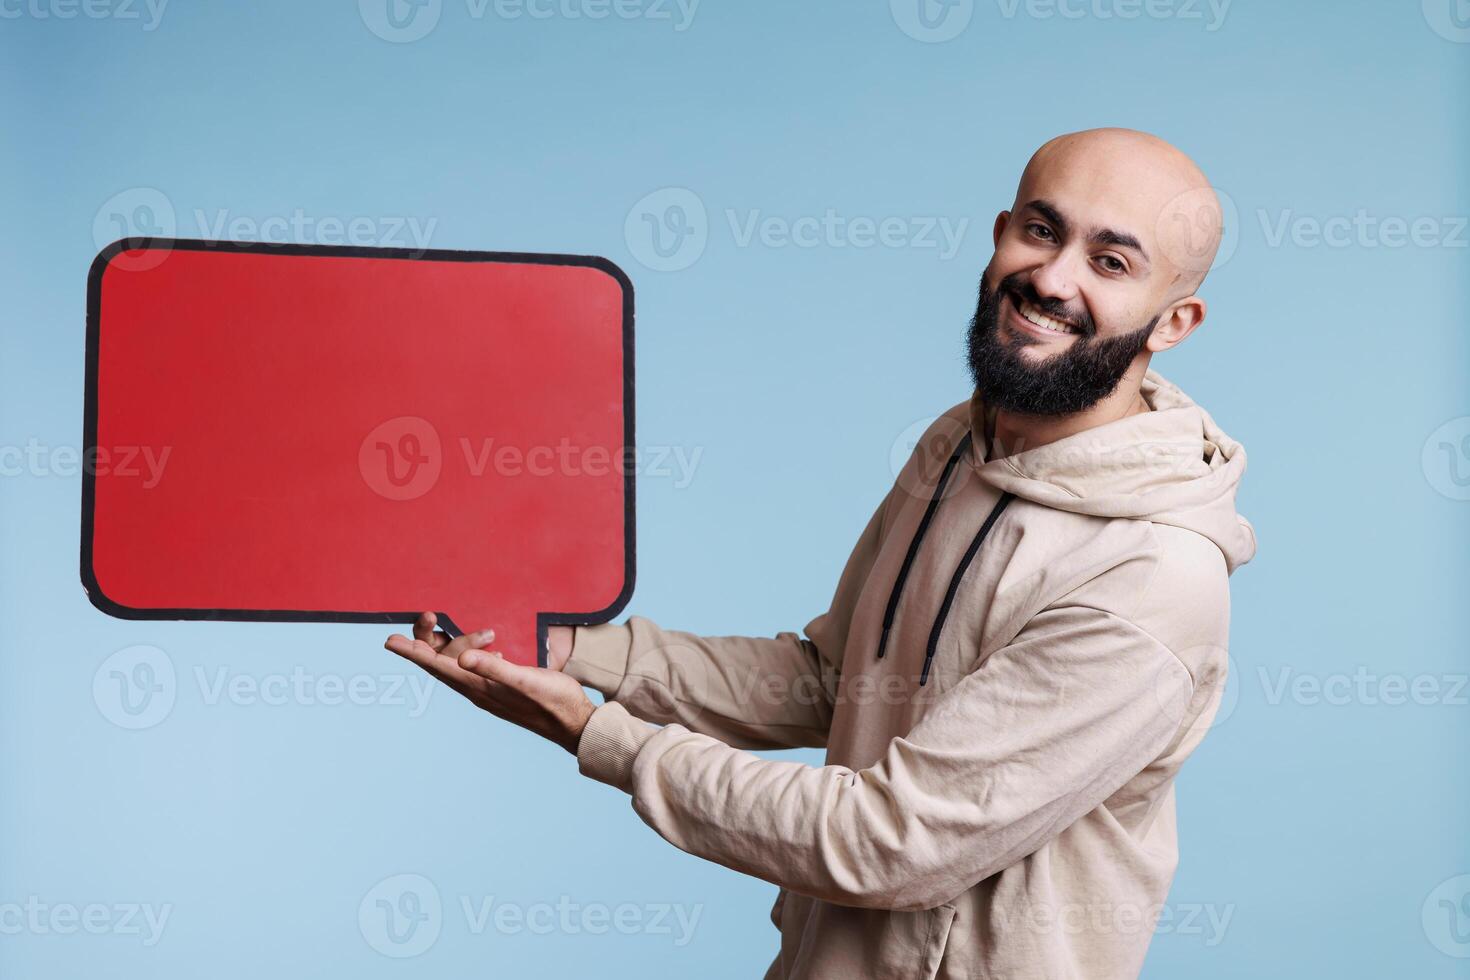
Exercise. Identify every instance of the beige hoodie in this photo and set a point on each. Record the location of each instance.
(1020, 654)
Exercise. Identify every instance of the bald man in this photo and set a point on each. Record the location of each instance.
(1026, 643)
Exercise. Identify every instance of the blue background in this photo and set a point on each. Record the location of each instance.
(1320, 829)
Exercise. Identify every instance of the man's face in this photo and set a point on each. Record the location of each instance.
(1077, 285)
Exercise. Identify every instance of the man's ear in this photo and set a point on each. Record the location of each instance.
(1001, 220)
(1180, 320)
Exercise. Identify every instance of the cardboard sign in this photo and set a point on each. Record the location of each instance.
(323, 434)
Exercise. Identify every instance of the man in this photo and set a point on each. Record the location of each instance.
(1026, 643)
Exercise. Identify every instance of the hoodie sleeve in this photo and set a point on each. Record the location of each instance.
(750, 692)
(1046, 730)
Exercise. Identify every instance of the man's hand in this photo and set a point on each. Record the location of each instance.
(544, 701)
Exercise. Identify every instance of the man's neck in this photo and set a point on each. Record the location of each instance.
(1013, 433)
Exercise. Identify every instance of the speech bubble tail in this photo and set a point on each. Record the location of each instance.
(448, 625)
(520, 635)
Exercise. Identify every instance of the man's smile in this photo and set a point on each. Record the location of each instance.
(1031, 320)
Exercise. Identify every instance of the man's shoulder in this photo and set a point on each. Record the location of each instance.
(1186, 605)
(1166, 581)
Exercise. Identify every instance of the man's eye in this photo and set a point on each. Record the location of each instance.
(1040, 231)
(1112, 264)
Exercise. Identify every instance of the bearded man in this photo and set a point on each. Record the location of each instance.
(1026, 643)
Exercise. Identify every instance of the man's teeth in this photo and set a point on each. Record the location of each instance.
(1042, 320)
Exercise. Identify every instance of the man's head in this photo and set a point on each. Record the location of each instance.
(1096, 267)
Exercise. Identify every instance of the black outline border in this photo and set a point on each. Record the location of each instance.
(544, 620)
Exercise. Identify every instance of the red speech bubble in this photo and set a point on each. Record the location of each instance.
(322, 434)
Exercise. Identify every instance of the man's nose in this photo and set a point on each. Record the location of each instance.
(1057, 278)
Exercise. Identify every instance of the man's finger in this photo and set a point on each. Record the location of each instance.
(468, 641)
(428, 666)
(423, 629)
(495, 668)
(443, 667)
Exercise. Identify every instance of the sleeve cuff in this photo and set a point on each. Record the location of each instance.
(610, 743)
(600, 657)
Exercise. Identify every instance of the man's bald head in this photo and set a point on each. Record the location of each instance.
(1157, 189)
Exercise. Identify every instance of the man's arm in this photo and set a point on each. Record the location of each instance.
(1045, 731)
(750, 692)
(1041, 733)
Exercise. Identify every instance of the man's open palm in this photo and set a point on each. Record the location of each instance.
(545, 701)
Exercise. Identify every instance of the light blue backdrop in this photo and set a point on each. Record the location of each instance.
(1323, 821)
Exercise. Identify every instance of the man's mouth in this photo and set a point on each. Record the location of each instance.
(1039, 319)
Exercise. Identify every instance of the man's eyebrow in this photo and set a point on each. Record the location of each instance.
(1101, 236)
(1049, 211)
(1120, 239)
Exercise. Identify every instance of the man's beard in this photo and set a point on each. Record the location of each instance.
(1076, 379)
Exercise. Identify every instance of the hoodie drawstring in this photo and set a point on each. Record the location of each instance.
(954, 585)
(908, 559)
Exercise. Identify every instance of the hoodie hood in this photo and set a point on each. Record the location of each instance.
(1172, 465)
